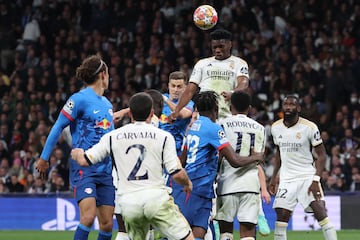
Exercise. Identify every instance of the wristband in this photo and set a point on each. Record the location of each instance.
(316, 178)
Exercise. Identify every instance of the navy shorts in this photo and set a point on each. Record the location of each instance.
(195, 209)
(99, 187)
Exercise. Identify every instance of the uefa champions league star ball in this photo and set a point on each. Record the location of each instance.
(205, 17)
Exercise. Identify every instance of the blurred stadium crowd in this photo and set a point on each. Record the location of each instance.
(310, 47)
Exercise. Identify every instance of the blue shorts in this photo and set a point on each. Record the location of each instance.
(195, 209)
(99, 187)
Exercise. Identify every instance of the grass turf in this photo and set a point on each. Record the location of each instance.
(61, 235)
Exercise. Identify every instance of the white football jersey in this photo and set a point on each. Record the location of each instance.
(219, 75)
(141, 152)
(295, 144)
(243, 133)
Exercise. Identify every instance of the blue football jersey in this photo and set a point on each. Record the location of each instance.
(90, 116)
(203, 142)
(178, 128)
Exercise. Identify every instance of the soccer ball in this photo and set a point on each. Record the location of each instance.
(205, 17)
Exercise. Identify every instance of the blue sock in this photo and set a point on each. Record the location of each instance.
(82, 232)
(104, 235)
(198, 239)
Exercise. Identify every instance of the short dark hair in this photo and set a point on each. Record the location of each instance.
(293, 96)
(206, 101)
(158, 101)
(220, 33)
(178, 75)
(140, 106)
(240, 100)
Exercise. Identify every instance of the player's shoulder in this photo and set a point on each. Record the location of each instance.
(277, 123)
(307, 123)
(238, 59)
(205, 61)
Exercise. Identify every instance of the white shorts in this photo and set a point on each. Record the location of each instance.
(291, 193)
(243, 205)
(155, 207)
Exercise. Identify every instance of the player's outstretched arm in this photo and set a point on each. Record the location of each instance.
(184, 99)
(183, 113)
(120, 114)
(182, 178)
(238, 161)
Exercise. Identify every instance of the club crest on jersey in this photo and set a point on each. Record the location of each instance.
(103, 124)
(232, 64)
(68, 107)
(298, 135)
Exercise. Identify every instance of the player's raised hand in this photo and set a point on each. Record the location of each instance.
(41, 166)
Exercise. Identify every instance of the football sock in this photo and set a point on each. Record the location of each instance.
(82, 232)
(328, 229)
(150, 235)
(226, 236)
(122, 236)
(280, 230)
(247, 238)
(104, 235)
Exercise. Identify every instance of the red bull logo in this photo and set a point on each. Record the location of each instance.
(103, 124)
(163, 118)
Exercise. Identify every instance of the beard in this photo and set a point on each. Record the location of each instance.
(290, 116)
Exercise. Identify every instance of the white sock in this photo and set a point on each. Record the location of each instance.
(226, 236)
(122, 236)
(328, 229)
(280, 230)
(150, 235)
(247, 238)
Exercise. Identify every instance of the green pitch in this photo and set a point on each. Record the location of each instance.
(61, 235)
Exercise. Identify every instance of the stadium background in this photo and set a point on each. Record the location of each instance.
(308, 47)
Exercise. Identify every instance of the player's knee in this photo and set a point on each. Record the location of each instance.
(87, 218)
(106, 225)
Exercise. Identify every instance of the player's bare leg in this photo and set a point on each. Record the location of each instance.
(105, 216)
(122, 234)
(281, 224)
(87, 208)
(226, 230)
(324, 222)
